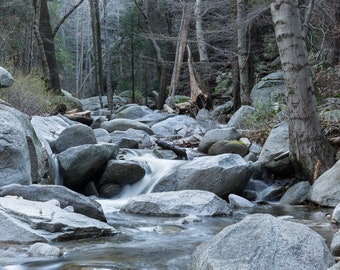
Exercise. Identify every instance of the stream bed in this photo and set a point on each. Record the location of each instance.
(150, 243)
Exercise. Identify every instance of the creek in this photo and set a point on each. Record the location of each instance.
(153, 243)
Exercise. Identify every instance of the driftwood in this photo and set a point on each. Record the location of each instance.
(180, 152)
(81, 117)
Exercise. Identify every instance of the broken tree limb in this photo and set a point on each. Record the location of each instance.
(180, 152)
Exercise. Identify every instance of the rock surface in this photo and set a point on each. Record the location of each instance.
(326, 189)
(178, 203)
(296, 194)
(48, 221)
(222, 175)
(66, 197)
(262, 241)
(6, 79)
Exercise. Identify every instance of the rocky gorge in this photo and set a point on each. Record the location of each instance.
(64, 184)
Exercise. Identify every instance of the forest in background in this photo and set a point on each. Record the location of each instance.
(143, 43)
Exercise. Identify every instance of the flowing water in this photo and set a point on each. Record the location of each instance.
(147, 243)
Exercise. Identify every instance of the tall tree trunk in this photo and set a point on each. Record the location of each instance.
(308, 144)
(108, 62)
(181, 44)
(97, 49)
(243, 55)
(47, 37)
(201, 44)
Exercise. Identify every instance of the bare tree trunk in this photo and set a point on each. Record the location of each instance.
(243, 54)
(97, 49)
(201, 44)
(182, 41)
(108, 62)
(308, 144)
(161, 63)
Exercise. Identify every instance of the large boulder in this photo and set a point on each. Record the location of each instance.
(49, 221)
(125, 124)
(243, 118)
(215, 135)
(326, 189)
(296, 194)
(15, 165)
(269, 90)
(222, 175)
(336, 214)
(79, 163)
(262, 241)
(74, 135)
(223, 147)
(6, 79)
(180, 125)
(122, 172)
(130, 138)
(66, 197)
(131, 111)
(276, 144)
(335, 245)
(178, 203)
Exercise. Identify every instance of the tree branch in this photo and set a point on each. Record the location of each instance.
(63, 19)
(308, 15)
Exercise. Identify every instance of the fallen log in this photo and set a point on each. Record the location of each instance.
(180, 152)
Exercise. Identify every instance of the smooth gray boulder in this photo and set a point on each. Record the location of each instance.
(336, 214)
(215, 135)
(154, 118)
(15, 165)
(236, 201)
(130, 138)
(125, 124)
(131, 111)
(222, 175)
(6, 79)
(75, 135)
(296, 194)
(102, 135)
(79, 163)
(262, 241)
(180, 125)
(223, 147)
(51, 222)
(178, 203)
(36, 151)
(122, 172)
(44, 250)
(335, 245)
(326, 189)
(42, 193)
(276, 144)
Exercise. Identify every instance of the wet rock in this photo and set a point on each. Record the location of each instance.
(178, 203)
(296, 194)
(44, 250)
(74, 136)
(262, 241)
(125, 124)
(130, 138)
(79, 163)
(66, 197)
(50, 222)
(236, 201)
(326, 189)
(221, 174)
(215, 135)
(122, 172)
